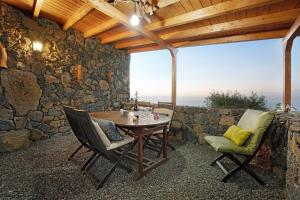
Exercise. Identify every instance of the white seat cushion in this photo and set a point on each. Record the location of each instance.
(127, 139)
(102, 135)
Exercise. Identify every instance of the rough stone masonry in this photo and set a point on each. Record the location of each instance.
(37, 84)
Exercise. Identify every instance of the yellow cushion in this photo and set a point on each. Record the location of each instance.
(237, 135)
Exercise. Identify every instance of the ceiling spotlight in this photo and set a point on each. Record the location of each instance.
(134, 20)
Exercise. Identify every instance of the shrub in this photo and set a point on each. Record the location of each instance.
(235, 100)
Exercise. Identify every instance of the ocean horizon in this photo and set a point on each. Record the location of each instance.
(199, 100)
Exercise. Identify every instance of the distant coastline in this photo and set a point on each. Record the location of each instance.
(199, 101)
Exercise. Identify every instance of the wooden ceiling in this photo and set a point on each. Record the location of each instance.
(183, 23)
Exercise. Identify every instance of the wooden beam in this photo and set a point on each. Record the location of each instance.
(293, 32)
(144, 49)
(287, 88)
(101, 28)
(78, 15)
(197, 15)
(114, 13)
(37, 8)
(235, 38)
(174, 76)
(274, 18)
(220, 40)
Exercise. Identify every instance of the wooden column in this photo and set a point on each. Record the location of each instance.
(287, 83)
(174, 77)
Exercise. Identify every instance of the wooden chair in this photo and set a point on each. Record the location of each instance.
(84, 125)
(258, 123)
(155, 142)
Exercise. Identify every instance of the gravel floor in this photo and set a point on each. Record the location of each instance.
(43, 172)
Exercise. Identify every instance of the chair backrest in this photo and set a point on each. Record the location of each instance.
(165, 108)
(83, 125)
(144, 103)
(257, 122)
(74, 126)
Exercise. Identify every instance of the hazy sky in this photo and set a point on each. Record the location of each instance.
(245, 67)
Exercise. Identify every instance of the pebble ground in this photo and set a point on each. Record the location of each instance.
(43, 172)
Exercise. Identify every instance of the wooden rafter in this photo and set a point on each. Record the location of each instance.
(269, 19)
(197, 15)
(114, 13)
(234, 38)
(37, 8)
(101, 28)
(78, 15)
(219, 40)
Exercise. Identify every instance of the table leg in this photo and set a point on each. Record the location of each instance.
(165, 135)
(140, 151)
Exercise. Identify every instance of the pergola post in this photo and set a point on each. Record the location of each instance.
(287, 59)
(174, 75)
(287, 83)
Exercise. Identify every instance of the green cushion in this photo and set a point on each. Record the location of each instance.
(224, 145)
(257, 122)
(237, 135)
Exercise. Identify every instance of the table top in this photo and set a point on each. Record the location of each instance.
(127, 121)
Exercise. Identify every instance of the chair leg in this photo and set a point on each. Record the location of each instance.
(73, 154)
(92, 162)
(88, 161)
(217, 159)
(244, 167)
(112, 169)
(231, 173)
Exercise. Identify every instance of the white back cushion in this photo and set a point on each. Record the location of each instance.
(102, 135)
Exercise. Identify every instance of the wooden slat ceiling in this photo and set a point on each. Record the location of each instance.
(277, 16)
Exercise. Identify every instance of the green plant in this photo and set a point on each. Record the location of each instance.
(235, 100)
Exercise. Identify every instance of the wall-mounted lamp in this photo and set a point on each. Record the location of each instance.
(37, 46)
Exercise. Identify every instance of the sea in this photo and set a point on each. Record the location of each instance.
(271, 101)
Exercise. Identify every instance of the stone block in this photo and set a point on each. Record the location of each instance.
(51, 79)
(20, 122)
(13, 140)
(56, 124)
(179, 116)
(176, 125)
(5, 113)
(6, 125)
(225, 111)
(35, 116)
(226, 120)
(47, 118)
(21, 90)
(36, 135)
(201, 139)
(103, 85)
(197, 128)
(89, 99)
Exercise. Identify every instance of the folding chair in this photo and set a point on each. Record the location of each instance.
(86, 126)
(258, 123)
(154, 142)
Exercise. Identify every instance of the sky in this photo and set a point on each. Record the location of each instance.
(245, 67)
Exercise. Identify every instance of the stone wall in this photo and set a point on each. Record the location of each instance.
(293, 156)
(193, 123)
(70, 71)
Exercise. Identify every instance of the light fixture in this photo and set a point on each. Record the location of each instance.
(134, 20)
(37, 46)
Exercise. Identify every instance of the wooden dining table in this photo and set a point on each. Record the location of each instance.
(143, 127)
